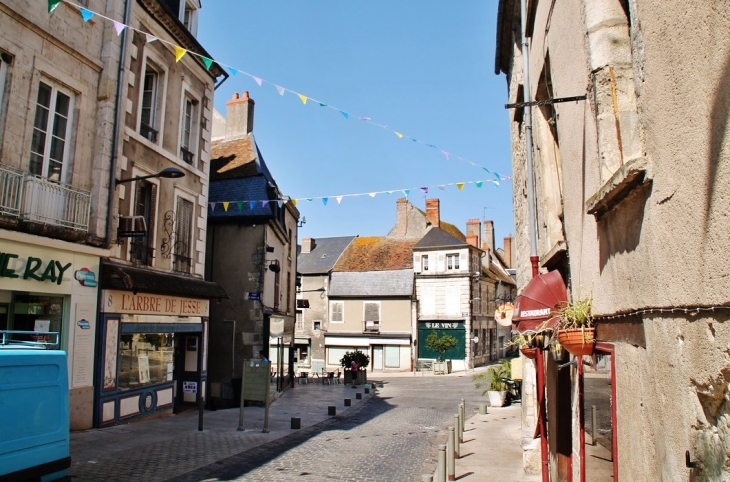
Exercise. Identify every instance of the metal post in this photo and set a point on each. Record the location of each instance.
(442, 463)
(463, 415)
(243, 381)
(268, 399)
(594, 416)
(457, 446)
(540, 361)
(450, 454)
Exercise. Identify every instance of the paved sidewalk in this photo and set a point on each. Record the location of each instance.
(491, 449)
(172, 447)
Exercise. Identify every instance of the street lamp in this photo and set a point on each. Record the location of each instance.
(168, 172)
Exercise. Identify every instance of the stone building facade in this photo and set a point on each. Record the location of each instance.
(630, 182)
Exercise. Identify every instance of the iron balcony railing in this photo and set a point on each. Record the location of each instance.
(55, 204)
(11, 191)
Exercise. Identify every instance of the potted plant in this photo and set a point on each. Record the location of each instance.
(362, 360)
(575, 327)
(525, 344)
(441, 345)
(492, 382)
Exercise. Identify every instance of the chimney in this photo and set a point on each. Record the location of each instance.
(508, 250)
(401, 217)
(433, 212)
(488, 236)
(472, 232)
(307, 245)
(239, 116)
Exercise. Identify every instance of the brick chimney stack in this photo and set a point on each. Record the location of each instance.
(433, 212)
(508, 250)
(488, 236)
(307, 245)
(472, 232)
(239, 116)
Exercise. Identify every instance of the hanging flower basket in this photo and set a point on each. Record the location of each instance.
(530, 353)
(578, 341)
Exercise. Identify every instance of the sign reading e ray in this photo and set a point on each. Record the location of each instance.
(12, 266)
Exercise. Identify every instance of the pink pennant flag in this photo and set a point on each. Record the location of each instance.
(257, 80)
(264, 203)
(280, 90)
(424, 190)
(119, 27)
(303, 98)
(366, 119)
(446, 154)
(339, 199)
(460, 185)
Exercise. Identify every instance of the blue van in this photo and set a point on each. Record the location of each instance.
(34, 412)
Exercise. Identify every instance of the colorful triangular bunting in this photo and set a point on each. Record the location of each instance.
(179, 53)
(86, 14)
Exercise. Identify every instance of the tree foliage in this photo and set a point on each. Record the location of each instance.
(440, 345)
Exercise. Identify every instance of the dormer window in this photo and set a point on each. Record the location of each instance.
(189, 15)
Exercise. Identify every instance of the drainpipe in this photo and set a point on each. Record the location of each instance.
(527, 94)
(117, 127)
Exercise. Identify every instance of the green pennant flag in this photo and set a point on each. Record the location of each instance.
(208, 62)
(52, 4)
(240, 205)
(322, 104)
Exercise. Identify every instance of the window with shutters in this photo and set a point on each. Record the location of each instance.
(452, 262)
(142, 249)
(51, 132)
(424, 263)
(337, 314)
(5, 60)
(152, 101)
(371, 311)
(300, 322)
(183, 235)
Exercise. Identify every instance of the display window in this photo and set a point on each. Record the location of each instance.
(145, 359)
(35, 312)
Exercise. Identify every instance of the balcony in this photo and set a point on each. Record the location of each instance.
(54, 204)
(37, 200)
(371, 327)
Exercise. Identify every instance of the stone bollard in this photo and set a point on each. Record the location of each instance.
(450, 454)
(459, 424)
(427, 478)
(358, 396)
(483, 409)
(457, 447)
(442, 463)
(296, 423)
(463, 415)
(367, 390)
(348, 402)
(594, 429)
(331, 410)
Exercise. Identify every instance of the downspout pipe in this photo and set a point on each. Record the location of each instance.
(527, 94)
(540, 368)
(117, 124)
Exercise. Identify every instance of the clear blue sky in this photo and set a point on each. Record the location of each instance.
(424, 68)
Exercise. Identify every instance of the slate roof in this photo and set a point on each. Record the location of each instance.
(323, 256)
(448, 227)
(439, 238)
(239, 175)
(377, 253)
(372, 283)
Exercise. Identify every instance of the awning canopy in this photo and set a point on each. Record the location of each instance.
(536, 308)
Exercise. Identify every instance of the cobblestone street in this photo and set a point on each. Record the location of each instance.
(390, 438)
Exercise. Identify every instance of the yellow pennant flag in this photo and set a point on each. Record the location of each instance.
(225, 205)
(399, 135)
(294, 202)
(179, 53)
(303, 98)
(460, 185)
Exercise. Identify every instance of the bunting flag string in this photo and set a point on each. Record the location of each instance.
(253, 204)
(180, 52)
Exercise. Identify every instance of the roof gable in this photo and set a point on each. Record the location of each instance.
(438, 238)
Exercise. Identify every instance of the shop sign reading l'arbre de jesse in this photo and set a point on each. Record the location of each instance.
(115, 301)
(38, 269)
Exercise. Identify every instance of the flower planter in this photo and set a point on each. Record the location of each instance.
(496, 399)
(442, 368)
(578, 341)
(530, 353)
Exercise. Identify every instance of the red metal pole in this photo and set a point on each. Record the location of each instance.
(534, 260)
(539, 365)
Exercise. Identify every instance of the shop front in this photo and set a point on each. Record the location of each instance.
(457, 329)
(52, 292)
(152, 347)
